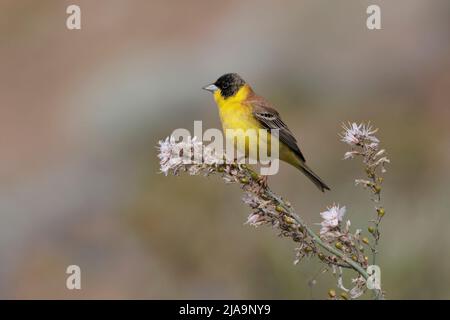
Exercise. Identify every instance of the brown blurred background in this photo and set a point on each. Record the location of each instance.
(82, 111)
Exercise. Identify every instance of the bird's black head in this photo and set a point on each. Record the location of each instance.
(229, 84)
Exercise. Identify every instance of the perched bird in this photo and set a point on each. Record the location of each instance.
(240, 108)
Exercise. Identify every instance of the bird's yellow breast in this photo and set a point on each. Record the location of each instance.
(234, 112)
(237, 115)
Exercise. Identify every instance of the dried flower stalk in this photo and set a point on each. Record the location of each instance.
(335, 245)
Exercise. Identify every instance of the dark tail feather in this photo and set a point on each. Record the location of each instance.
(313, 177)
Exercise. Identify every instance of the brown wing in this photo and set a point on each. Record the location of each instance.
(270, 119)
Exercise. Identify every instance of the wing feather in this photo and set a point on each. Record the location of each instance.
(270, 119)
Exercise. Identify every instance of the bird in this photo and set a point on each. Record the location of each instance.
(241, 108)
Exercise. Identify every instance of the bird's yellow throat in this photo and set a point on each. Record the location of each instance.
(234, 112)
(240, 96)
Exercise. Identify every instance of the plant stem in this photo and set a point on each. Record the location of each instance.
(354, 265)
(357, 267)
(338, 253)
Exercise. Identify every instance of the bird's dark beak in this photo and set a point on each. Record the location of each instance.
(211, 88)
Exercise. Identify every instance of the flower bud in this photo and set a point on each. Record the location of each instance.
(355, 258)
(339, 245)
(279, 209)
(321, 256)
(288, 220)
(365, 240)
(371, 229)
(344, 295)
(331, 293)
(244, 180)
(381, 212)
(377, 188)
(254, 175)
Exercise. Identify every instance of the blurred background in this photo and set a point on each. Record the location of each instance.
(82, 112)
